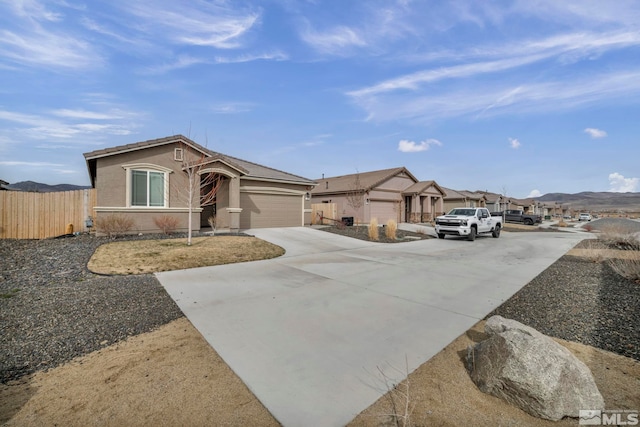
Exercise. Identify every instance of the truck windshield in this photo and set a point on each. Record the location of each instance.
(463, 212)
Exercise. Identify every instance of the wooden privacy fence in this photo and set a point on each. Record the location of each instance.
(26, 215)
(321, 211)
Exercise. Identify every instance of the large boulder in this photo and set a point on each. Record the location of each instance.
(531, 371)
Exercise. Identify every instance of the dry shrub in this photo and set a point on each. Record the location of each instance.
(391, 229)
(593, 250)
(619, 237)
(373, 229)
(114, 225)
(166, 223)
(587, 227)
(627, 268)
(561, 223)
(399, 399)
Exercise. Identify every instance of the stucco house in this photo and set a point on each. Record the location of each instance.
(529, 205)
(496, 202)
(463, 198)
(148, 179)
(383, 194)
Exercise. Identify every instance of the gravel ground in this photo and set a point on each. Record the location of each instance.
(579, 300)
(574, 299)
(52, 309)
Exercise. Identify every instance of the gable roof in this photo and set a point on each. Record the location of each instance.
(523, 202)
(494, 197)
(368, 181)
(421, 186)
(453, 194)
(251, 170)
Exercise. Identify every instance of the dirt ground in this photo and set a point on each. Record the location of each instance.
(171, 376)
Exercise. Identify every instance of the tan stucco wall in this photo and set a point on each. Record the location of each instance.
(111, 182)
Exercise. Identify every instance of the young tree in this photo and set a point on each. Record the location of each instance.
(201, 186)
(355, 196)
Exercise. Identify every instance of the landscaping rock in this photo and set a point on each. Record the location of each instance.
(531, 371)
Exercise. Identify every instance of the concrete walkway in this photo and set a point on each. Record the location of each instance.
(309, 331)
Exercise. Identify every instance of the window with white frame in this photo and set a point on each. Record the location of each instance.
(147, 188)
(147, 185)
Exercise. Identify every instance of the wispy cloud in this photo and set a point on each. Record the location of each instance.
(201, 23)
(514, 143)
(273, 56)
(619, 184)
(182, 61)
(47, 48)
(232, 108)
(38, 36)
(68, 124)
(334, 41)
(407, 146)
(499, 97)
(595, 133)
(84, 114)
(33, 10)
(509, 57)
(29, 164)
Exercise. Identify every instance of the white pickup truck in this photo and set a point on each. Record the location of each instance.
(468, 222)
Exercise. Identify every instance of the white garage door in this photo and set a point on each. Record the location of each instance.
(270, 210)
(383, 211)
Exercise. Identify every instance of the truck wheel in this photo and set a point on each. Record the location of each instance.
(528, 221)
(440, 235)
(472, 235)
(496, 232)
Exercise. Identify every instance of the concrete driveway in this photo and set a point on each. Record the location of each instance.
(309, 331)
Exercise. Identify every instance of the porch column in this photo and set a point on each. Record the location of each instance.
(234, 208)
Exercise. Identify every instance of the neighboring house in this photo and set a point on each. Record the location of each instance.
(3, 185)
(423, 201)
(468, 199)
(529, 206)
(496, 202)
(147, 180)
(383, 194)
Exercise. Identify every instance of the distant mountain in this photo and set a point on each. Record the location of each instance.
(590, 200)
(43, 188)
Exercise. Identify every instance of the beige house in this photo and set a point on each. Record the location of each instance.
(149, 179)
(528, 206)
(496, 202)
(462, 198)
(384, 194)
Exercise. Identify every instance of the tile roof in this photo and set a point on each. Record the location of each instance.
(368, 180)
(253, 170)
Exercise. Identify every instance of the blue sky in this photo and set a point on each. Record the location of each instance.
(528, 96)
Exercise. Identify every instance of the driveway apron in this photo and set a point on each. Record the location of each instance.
(310, 332)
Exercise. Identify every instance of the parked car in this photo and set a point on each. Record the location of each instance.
(468, 222)
(517, 215)
(584, 217)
